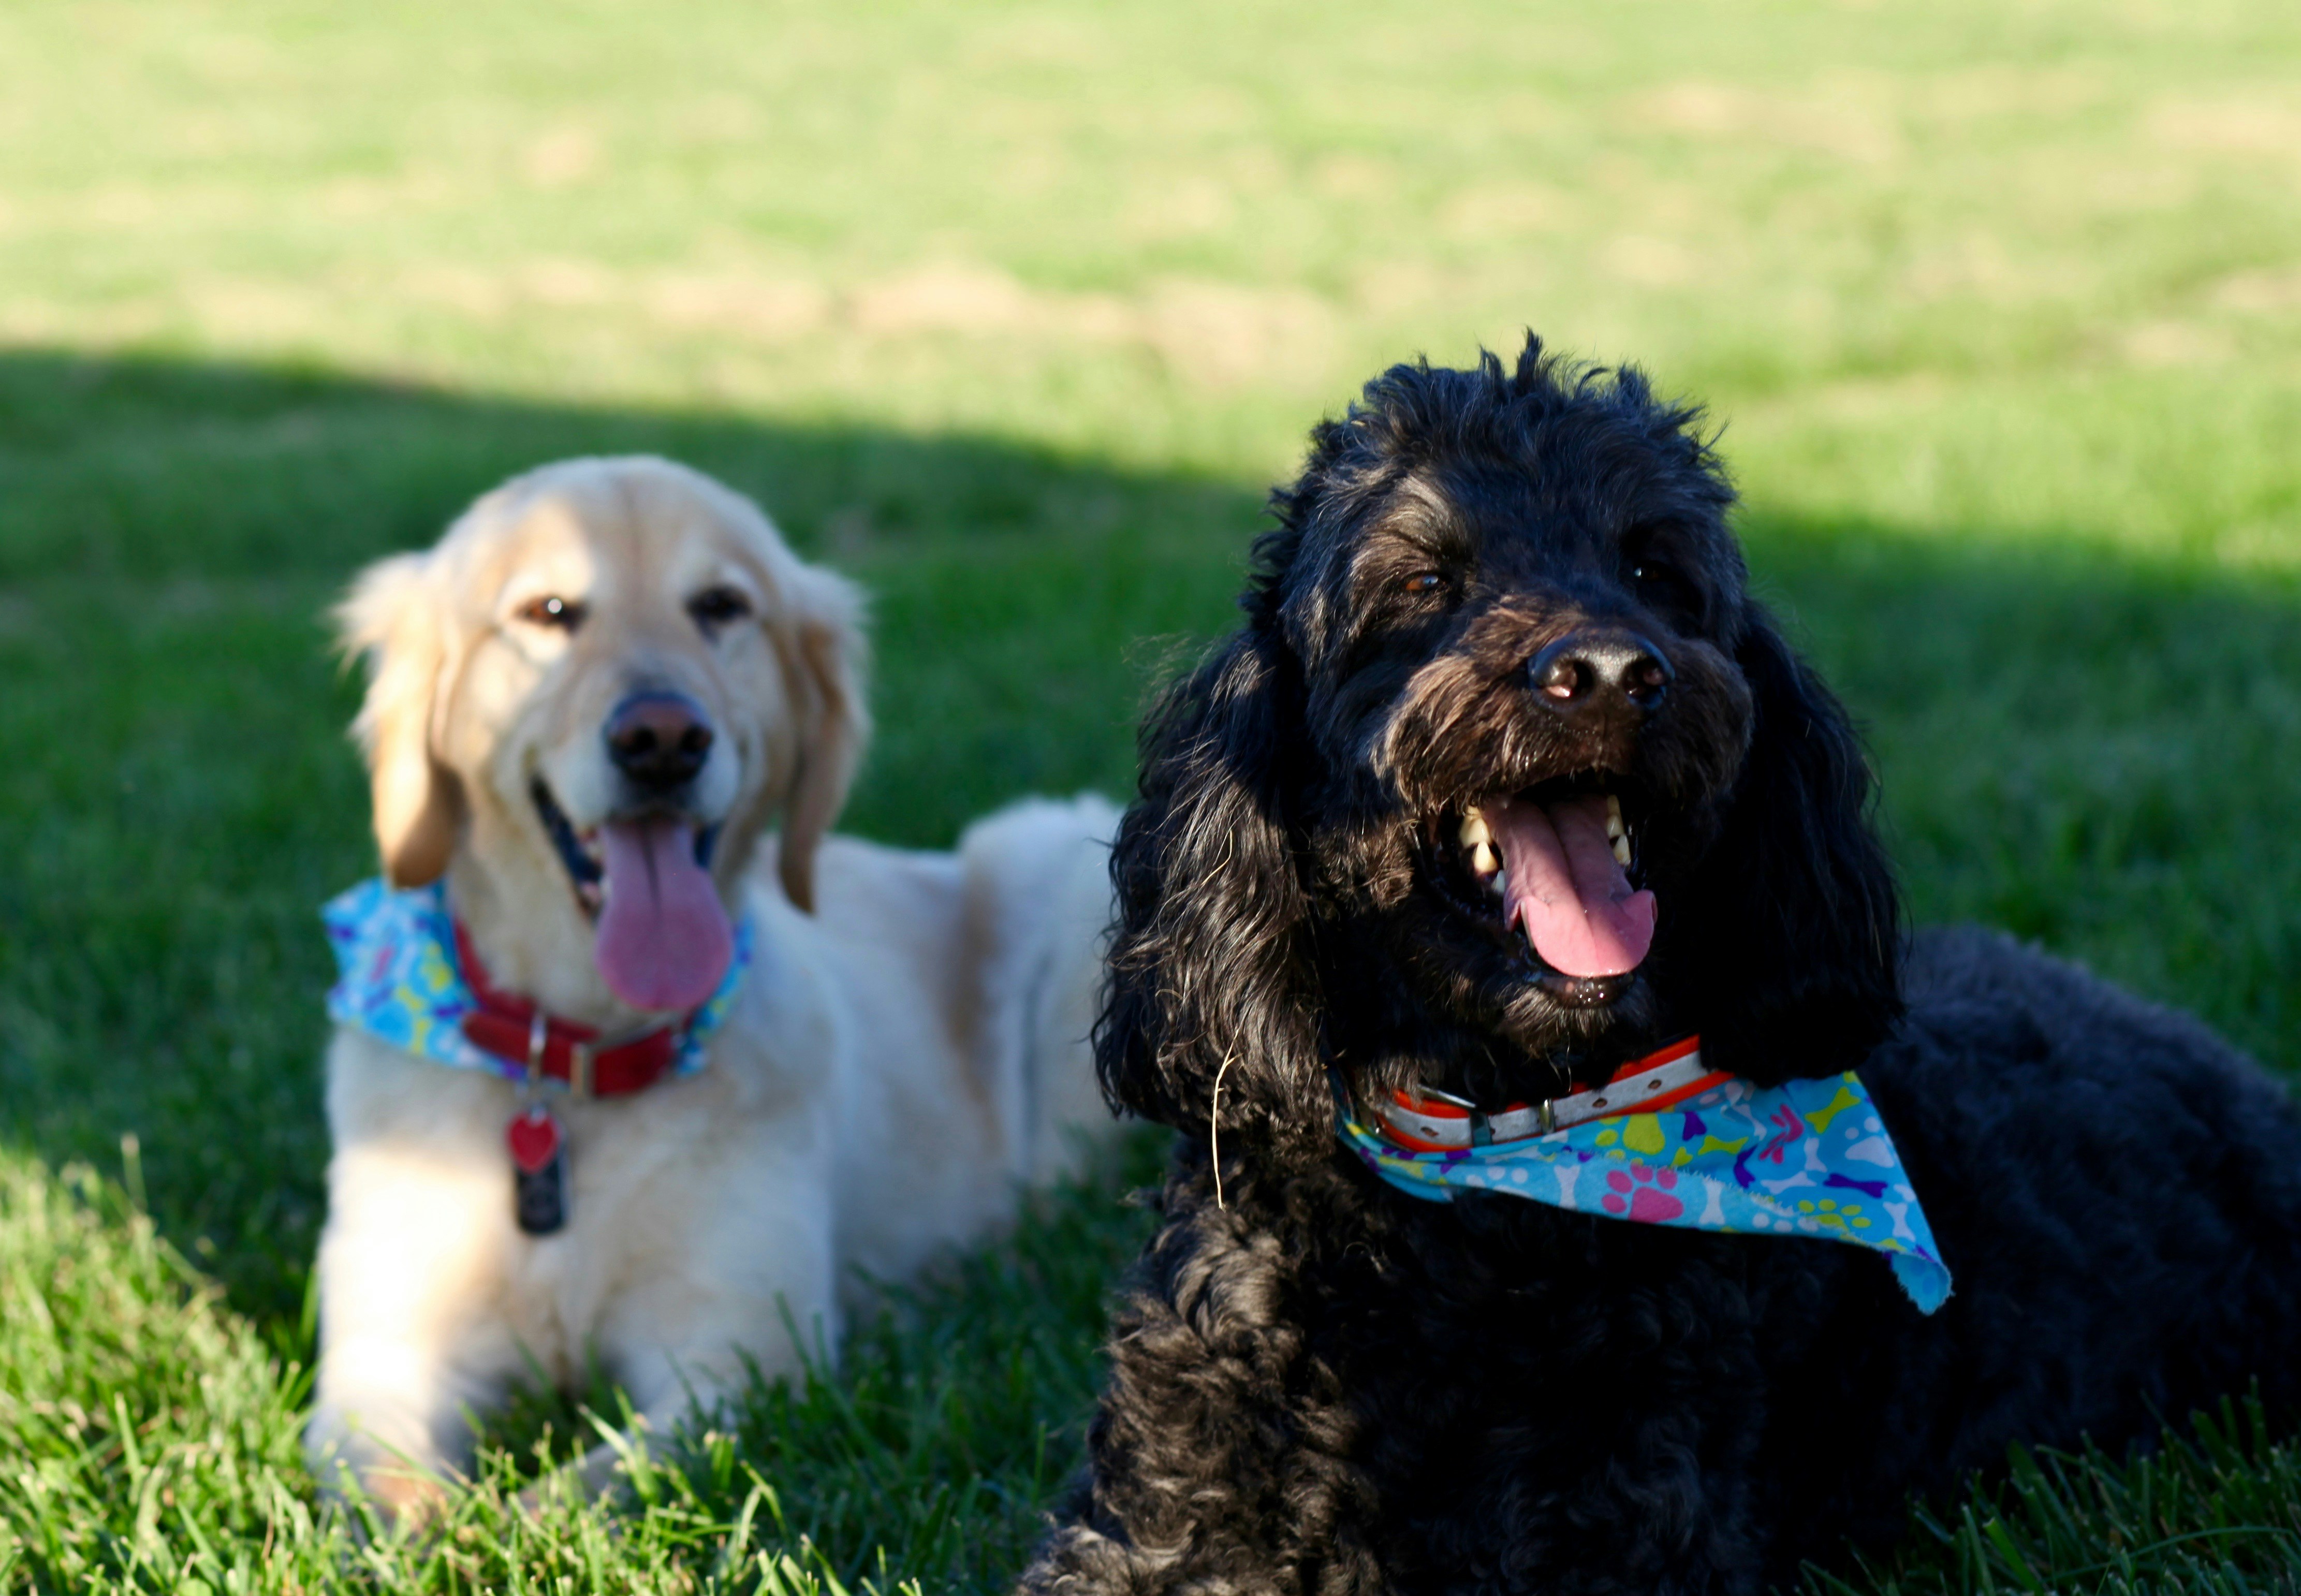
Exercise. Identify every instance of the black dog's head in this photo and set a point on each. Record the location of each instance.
(1505, 781)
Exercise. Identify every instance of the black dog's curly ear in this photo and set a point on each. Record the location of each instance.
(1797, 926)
(1210, 999)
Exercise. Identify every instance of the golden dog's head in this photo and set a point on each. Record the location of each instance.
(587, 703)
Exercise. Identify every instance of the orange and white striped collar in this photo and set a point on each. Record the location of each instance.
(1437, 1121)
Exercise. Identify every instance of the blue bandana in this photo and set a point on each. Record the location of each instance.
(399, 981)
(1803, 1158)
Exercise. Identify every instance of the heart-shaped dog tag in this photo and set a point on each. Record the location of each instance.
(534, 1140)
(539, 1183)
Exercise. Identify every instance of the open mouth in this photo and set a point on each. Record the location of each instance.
(584, 852)
(644, 881)
(1552, 871)
(580, 852)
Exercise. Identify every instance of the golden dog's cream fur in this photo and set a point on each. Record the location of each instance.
(908, 1046)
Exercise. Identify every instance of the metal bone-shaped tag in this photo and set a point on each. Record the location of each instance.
(538, 1168)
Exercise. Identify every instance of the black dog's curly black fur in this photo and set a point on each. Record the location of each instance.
(1321, 1384)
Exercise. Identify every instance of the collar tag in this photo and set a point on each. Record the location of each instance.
(406, 976)
(538, 1171)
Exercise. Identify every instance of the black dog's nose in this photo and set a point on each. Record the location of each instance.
(659, 739)
(1595, 666)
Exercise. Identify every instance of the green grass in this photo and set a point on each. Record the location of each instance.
(2216, 1508)
(149, 1435)
(1014, 310)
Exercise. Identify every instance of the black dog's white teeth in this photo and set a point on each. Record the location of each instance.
(1479, 852)
(1618, 832)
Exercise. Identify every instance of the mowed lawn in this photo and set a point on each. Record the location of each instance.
(1015, 312)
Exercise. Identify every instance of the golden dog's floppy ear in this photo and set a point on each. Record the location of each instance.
(393, 617)
(829, 657)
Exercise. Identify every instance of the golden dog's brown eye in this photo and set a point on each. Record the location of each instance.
(551, 610)
(714, 607)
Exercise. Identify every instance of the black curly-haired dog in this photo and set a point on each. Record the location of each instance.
(1515, 591)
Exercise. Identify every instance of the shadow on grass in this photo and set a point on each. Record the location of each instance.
(2094, 752)
(179, 798)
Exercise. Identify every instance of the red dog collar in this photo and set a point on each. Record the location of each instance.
(1437, 1121)
(515, 1030)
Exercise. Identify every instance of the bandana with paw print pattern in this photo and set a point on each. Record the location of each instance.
(1804, 1158)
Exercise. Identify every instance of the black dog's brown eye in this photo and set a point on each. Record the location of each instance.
(551, 610)
(715, 607)
(1662, 586)
(1423, 584)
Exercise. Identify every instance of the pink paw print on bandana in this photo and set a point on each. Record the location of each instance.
(1643, 1194)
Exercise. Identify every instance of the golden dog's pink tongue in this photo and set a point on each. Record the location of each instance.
(1567, 889)
(664, 939)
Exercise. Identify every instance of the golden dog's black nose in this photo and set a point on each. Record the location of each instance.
(659, 739)
(1592, 667)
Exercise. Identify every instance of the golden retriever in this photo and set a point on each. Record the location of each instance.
(587, 704)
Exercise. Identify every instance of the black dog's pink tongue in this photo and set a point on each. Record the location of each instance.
(1568, 889)
(664, 941)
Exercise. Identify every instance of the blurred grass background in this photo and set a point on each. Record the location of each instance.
(1015, 311)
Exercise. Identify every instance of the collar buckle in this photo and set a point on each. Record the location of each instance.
(539, 1044)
